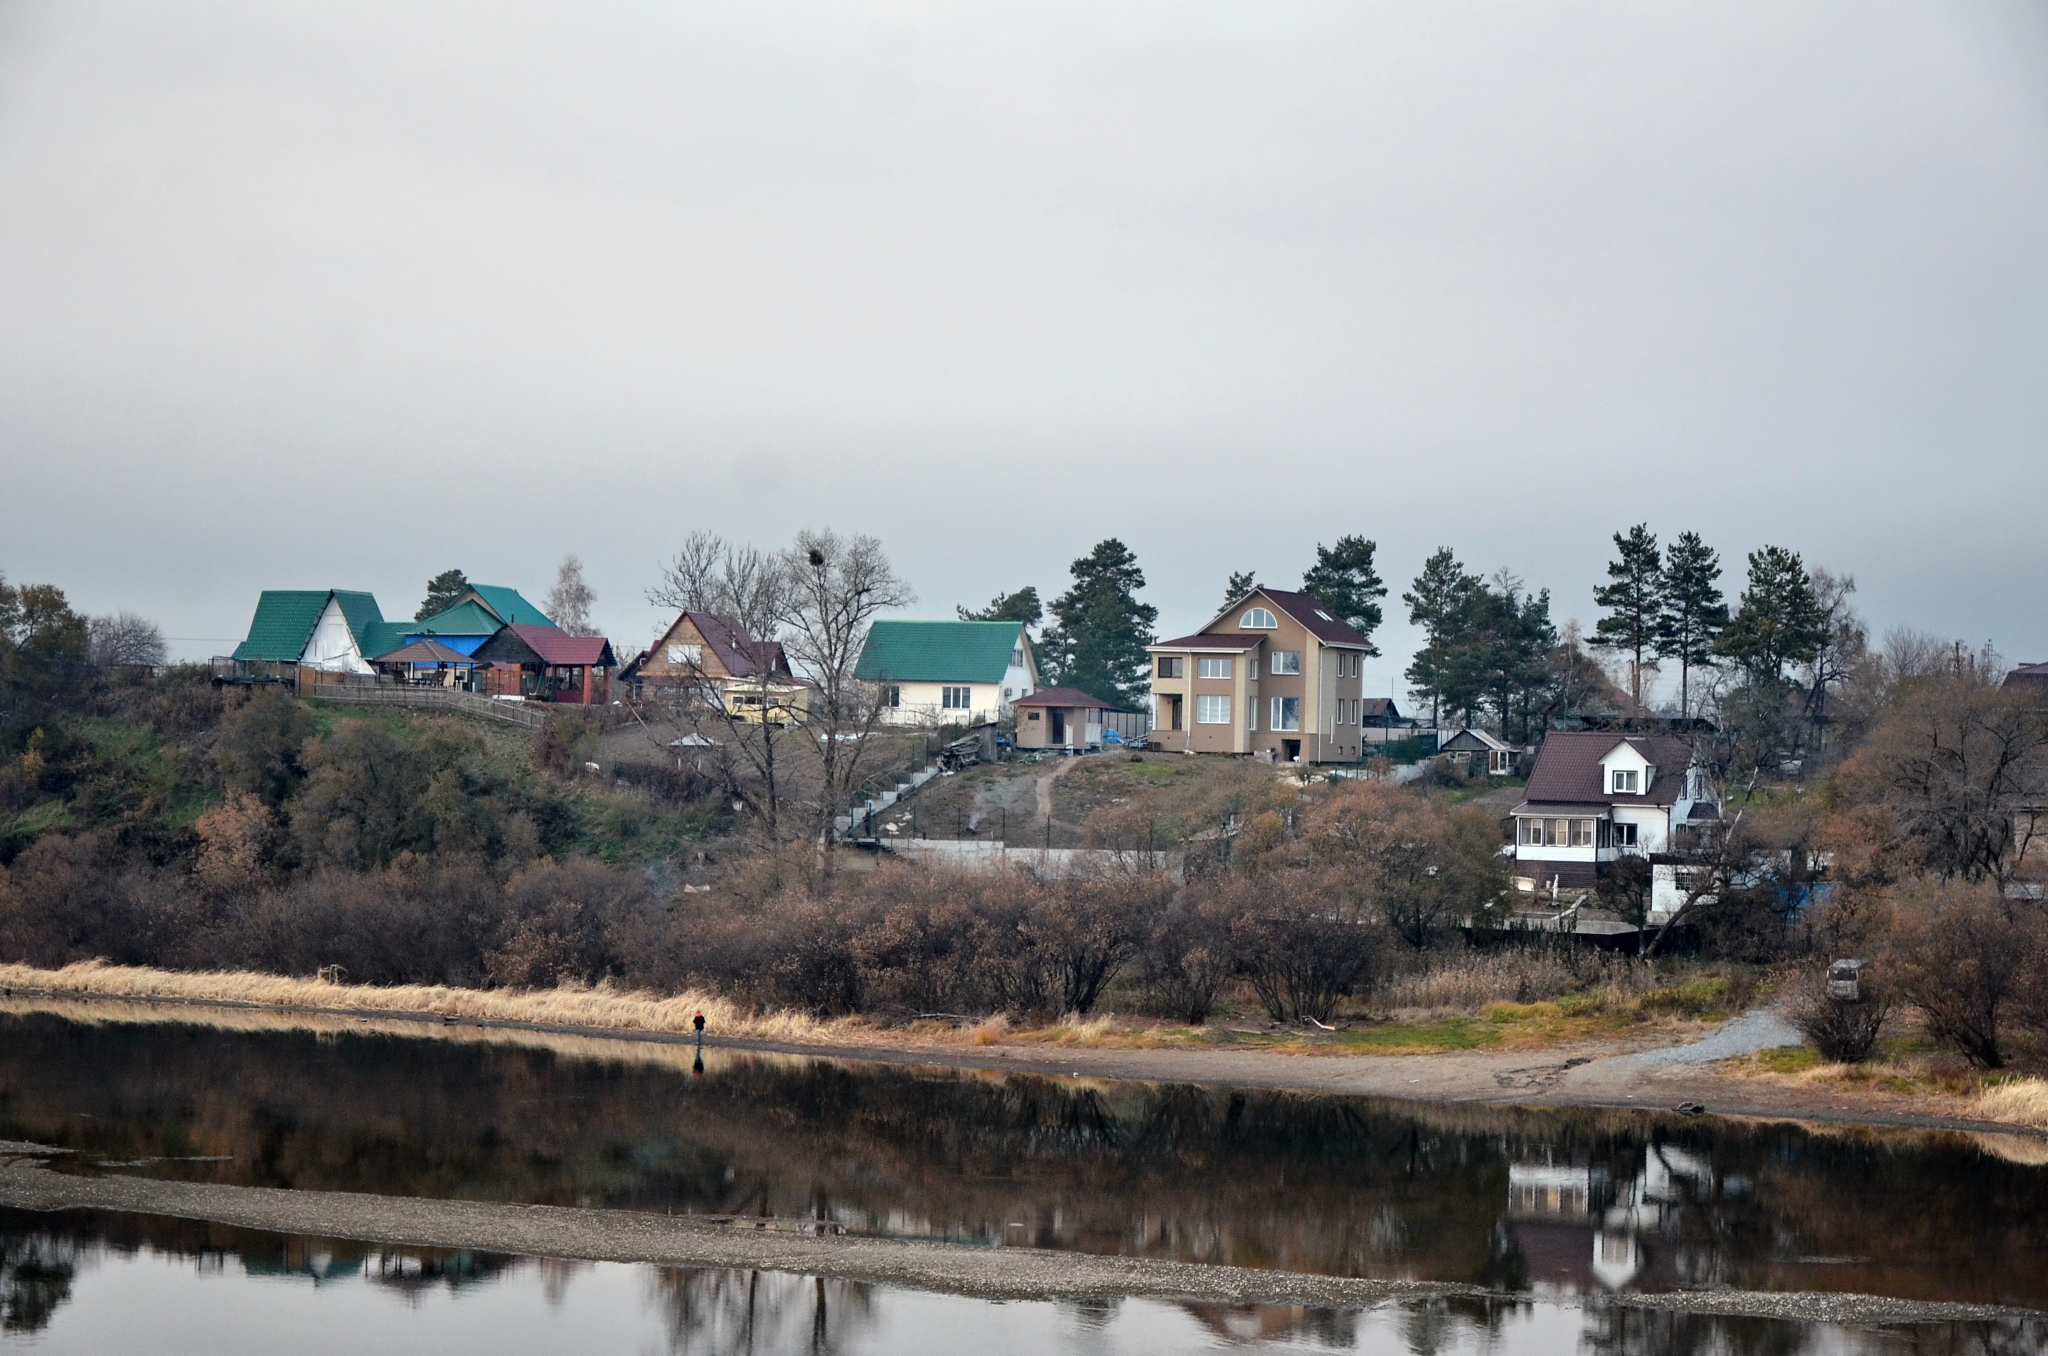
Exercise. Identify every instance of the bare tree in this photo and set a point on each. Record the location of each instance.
(123, 640)
(740, 719)
(570, 599)
(692, 582)
(837, 586)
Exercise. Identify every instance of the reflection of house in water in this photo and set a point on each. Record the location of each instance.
(1581, 1227)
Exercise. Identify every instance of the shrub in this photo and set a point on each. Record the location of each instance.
(1964, 957)
(1844, 1031)
(1187, 958)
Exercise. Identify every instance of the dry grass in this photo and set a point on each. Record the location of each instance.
(601, 1008)
(2018, 1101)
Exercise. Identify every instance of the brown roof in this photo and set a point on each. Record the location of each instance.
(551, 646)
(1231, 640)
(423, 651)
(1062, 696)
(1373, 708)
(739, 652)
(1316, 619)
(1312, 616)
(1567, 768)
(2028, 675)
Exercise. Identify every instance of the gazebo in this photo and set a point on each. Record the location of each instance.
(551, 665)
(427, 663)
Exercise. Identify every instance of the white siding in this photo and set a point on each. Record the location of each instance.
(333, 647)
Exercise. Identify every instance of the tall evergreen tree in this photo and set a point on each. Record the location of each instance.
(1437, 602)
(442, 591)
(1100, 629)
(1241, 583)
(1021, 606)
(1780, 621)
(1343, 579)
(1634, 600)
(1694, 613)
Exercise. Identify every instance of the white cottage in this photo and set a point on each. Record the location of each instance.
(1594, 798)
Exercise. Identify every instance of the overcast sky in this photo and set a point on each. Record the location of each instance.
(300, 296)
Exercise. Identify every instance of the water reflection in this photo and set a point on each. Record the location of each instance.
(105, 1282)
(1542, 1202)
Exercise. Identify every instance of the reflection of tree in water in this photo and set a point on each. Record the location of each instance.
(1336, 1185)
(36, 1269)
(716, 1312)
(40, 1254)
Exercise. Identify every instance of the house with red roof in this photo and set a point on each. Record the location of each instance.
(548, 664)
(1274, 675)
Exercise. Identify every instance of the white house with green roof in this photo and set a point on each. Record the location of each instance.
(948, 672)
(329, 630)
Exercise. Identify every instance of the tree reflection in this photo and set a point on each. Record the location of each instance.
(36, 1270)
(1333, 1185)
(711, 1311)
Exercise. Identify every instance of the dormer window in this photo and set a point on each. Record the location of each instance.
(1258, 619)
(1626, 782)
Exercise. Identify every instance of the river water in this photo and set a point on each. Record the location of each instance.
(1556, 1209)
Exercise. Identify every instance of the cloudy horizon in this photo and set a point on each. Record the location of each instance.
(308, 298)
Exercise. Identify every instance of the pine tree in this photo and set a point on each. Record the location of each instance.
(1694, 612)
(1437, 602)
(1780, 620)
(1241, 583)
(1634, 603)
(1343, 579)
(1021, 606)
(1101, 629)
(442, 591)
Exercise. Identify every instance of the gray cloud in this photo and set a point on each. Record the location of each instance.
(303, 296)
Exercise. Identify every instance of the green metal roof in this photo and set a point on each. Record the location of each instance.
(285, 619)
(463, 619)
(361, 612)
(380, 638)
(509, 606)
(283, 623)
(938, 651)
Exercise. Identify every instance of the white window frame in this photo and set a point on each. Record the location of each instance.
(1258, 619)
(1582, 833)
(1626, 834)
(691, 655)
(1170, 666)
(953, 697)
(1212, 708)
(1213, 666)
(1625, 782)
(1282, 659)
(892, 695)
(1279, 715)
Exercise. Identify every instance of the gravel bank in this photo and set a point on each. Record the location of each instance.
(987, 1273)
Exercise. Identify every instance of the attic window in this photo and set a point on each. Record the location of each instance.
(1324, 615)
(1258, 619)
(1625, 781)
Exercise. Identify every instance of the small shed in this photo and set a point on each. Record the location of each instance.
(1059, 718)
(427, 663)
(1478, 749)
(551, 664)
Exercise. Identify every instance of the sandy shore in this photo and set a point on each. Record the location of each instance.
(988, 1273)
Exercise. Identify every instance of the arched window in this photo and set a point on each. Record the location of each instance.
(1258, 619)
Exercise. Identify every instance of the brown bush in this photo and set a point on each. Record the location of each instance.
(1966, 958)
(1188, 957)
(1300, 943)
(1845, 1031)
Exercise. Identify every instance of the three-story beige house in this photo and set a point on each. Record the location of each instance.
(1275, 674)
